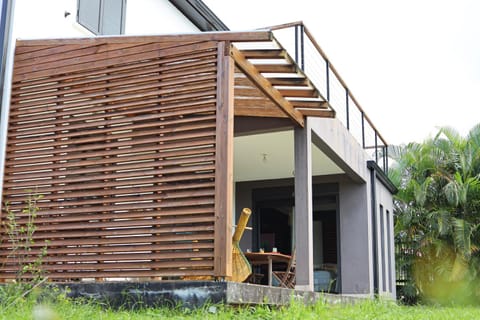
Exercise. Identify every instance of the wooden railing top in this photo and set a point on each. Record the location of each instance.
(259, 35)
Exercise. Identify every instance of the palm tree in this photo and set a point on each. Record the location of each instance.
(437, 210)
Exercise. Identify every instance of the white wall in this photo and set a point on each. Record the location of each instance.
(35, 19)
(155, 17)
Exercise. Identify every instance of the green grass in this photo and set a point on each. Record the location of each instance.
(67, 309)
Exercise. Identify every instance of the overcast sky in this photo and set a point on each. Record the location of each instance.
(413, 65)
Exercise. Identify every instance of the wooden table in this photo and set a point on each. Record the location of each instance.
(267, 258)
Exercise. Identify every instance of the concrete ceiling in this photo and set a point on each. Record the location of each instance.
(270, 156)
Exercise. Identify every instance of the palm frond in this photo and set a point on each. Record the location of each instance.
(462, 234)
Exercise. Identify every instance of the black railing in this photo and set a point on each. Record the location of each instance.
(315, 64)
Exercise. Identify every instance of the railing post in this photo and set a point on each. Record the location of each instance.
(302, 48)
(363, 130)
(328, 79)
(385, 160)
(296, 43)
(347, 108)
(376, 147)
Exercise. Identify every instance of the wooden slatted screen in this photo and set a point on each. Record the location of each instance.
(119, 139)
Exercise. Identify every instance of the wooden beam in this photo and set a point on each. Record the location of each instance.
(224, 164)
(258, 103)
(251, 92)
(261, 35)
(259, 112)
(266, 87)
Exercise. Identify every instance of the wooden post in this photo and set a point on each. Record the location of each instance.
(303, 208)
(224, 163)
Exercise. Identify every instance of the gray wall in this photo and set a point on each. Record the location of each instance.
(355, 238)
(385, 241)
(333, 139)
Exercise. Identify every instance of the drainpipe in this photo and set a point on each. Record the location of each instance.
(373, 196)
(6, 23)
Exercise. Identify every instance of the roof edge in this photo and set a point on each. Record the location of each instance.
(382, 177)
(200, 15)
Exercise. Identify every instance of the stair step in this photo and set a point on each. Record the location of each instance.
(309, 104)
(301, 93)
(290, 81)
(264, 54)
(275, 68)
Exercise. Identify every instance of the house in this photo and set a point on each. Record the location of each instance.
(145, 145)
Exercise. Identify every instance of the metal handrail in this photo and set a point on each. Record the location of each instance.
(380, 147)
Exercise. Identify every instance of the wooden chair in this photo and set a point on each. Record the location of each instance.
(255, 278)
(286, 279)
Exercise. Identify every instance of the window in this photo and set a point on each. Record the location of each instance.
(389, 248)
(102, 17)
(383, 248)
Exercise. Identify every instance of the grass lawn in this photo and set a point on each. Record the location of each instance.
(66, 309)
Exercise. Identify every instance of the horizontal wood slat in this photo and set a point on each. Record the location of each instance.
(123, 257)
(124, 241)
(119, 139)
(114, 184)
(86, 249)
(105, 60)
(87, 76)
(54, 53)
(113, 265)
(68, 276)
(68, 92)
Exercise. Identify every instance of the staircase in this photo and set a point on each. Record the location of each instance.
(268, 70)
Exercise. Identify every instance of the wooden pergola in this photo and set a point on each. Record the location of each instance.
(129, 141)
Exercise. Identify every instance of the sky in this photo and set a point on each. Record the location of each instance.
(413, 65)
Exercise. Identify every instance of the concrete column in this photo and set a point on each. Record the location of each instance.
(303, 208)
(355, 239)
